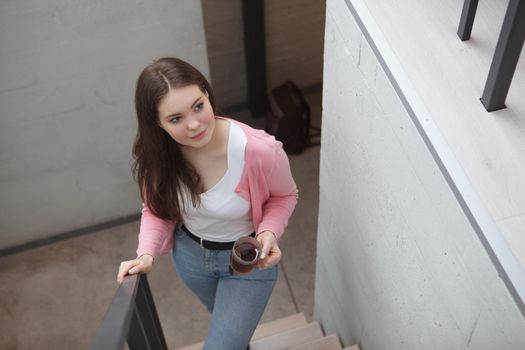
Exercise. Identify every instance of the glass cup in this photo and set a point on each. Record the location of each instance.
(245, 254)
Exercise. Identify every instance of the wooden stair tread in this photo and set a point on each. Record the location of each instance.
(353, 347)
(284, 340)
(330, 342)
(266, 329)
(196, 346)
(278, 326)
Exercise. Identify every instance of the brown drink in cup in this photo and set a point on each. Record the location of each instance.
(245, 254)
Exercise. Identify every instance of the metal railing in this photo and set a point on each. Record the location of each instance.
(506, 55)
(131, 317)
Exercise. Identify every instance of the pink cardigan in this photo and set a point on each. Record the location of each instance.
(266, 183)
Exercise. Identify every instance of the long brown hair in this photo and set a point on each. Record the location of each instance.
(162, 173)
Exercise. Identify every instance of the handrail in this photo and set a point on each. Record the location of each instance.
(131, 317)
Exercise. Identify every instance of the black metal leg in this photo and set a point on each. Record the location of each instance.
(506, 57)
(467, 19)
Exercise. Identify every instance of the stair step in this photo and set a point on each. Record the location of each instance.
(284, 340)
(266, 329)
(330, 342)
(196, 346)
(278, 326)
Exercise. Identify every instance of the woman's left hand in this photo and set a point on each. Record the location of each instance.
(270, 252)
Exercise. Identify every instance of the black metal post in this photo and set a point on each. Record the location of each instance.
(147, 319)
(137, 338)
(131, 316)
(255, 54)
(508, 49)
(115, 326)
(467, 19)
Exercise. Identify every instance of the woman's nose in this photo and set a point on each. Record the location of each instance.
(193, 124)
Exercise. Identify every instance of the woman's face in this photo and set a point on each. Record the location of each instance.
(186, 114)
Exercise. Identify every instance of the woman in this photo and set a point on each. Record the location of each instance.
(206, 181)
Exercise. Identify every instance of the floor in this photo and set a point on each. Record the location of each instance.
(55, 296)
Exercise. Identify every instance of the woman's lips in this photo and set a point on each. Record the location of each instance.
(199, 136)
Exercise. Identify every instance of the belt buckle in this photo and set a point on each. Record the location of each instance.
(202, 246)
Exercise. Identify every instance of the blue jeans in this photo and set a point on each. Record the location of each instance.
(236, 302)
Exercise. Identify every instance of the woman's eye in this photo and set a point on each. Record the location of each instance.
(199, 106)
(175, 119)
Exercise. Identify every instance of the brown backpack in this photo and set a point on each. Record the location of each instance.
(288, 118)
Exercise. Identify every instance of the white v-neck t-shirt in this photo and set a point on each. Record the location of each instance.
(223, 215)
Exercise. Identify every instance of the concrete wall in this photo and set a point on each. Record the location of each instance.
(399, 266)
(294, 45)
(67, 77)
(294, 41)
(223, 24)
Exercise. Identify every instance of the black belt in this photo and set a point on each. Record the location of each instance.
(209, 244)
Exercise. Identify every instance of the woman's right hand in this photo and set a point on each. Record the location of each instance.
(142, 264)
